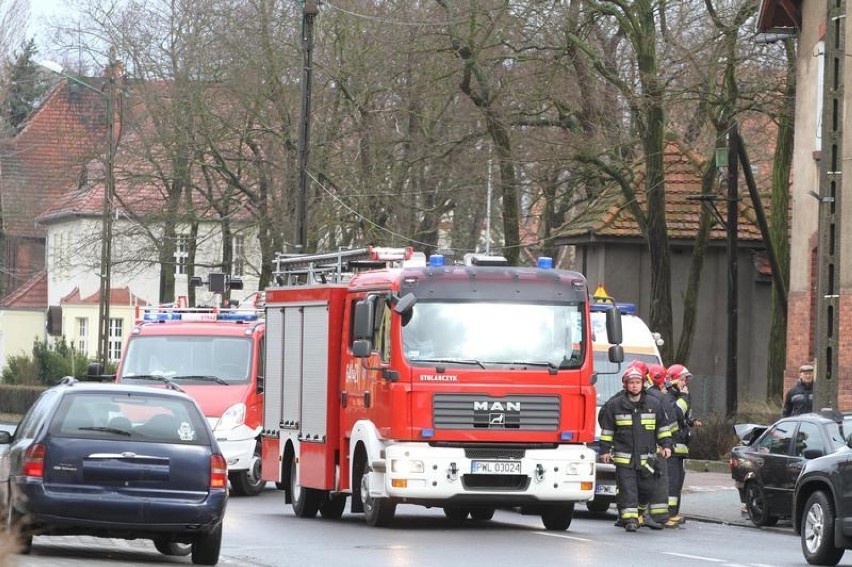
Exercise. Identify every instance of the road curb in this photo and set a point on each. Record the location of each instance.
(699, 465)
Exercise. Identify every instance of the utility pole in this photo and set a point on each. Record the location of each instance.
(829, 231)
(732, 227)
(309, 12)
(104, 292)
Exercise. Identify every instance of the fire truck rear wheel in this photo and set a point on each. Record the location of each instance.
(557, 517)
(249, 482)
(306, 501)
(378, 512)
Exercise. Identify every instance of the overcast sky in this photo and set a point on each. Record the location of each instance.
(41, 10)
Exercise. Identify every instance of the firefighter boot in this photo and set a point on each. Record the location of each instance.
(631, 526)
(672, 523)
(650, 522)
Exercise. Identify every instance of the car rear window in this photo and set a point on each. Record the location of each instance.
(129, 415)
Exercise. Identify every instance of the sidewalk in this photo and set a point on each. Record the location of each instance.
(709, 494)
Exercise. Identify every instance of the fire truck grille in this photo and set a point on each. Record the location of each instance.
(473, 411)
(513, 482)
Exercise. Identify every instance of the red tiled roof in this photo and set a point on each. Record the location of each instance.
(31, 295)
(117, 296)
(140, 187)
(42, 161)
(609, 215)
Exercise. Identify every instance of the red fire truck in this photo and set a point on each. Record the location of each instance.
(216, 356)
(465, 387)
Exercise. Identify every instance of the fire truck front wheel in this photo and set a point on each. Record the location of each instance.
(557, 517)
(305, 501)
(378, 512)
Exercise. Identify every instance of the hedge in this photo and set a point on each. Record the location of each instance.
(17, 399)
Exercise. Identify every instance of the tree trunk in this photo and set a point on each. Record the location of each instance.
(779, 229)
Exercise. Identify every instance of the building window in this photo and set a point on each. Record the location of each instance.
(238, 256)
(83, 335)
(181, 254)
(115, 336)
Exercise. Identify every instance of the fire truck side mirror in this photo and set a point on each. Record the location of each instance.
(613, 326)
(616, 354)
(364, 319)
(361, 348)
(405, 303)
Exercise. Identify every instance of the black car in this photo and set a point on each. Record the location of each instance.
(822, 507)
(116, 461)
(766, 466)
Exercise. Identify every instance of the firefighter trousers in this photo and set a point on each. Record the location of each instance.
(676, 472)
(635, 486)
(662, 487)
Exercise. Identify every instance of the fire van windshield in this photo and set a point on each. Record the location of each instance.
(207, 359)
(493, 333)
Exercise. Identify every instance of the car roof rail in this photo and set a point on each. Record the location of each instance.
(67, 381)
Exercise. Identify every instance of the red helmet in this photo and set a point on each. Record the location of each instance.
(632, 373)
(638, 365)
(678, 373)
(657, 375)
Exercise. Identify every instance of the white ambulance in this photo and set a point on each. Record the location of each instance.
(639, 343)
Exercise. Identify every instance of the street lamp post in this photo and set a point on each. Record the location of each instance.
(105, 275)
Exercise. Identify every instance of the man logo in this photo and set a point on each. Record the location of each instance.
(497, 414)
(496, 406)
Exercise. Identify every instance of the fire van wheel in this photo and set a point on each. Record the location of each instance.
(306, 501)
(557, 517)
(482, 514)
(598, 506)
(378, 512)
(818, 531)
(249, 482)
(456, 514)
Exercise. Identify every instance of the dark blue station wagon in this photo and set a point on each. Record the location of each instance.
(116, 461)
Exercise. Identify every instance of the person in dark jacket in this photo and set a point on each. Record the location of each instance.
(633, 424)
(800, 398)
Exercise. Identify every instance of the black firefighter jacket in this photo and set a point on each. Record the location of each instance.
(631, 431)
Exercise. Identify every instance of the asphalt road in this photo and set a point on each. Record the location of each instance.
(263, 532)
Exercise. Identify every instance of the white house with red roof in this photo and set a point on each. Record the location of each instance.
(52, 195)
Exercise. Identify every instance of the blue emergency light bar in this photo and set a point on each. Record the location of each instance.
(198, 314)
(623, 308)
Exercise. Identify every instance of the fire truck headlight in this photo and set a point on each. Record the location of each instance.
(406, 466)
(233, 417)
(580, 469)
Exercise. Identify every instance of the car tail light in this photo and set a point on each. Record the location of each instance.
(218, 472)
(34, 460)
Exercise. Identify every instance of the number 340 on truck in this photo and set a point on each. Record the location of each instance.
(465, 387)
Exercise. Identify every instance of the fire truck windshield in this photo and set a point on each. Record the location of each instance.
(494, 333)
(203, 359)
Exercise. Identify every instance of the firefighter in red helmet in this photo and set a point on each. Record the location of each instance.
(657, 384)
(679, 377)
(633, 424)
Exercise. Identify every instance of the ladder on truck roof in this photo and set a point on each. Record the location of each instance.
(335, 267)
